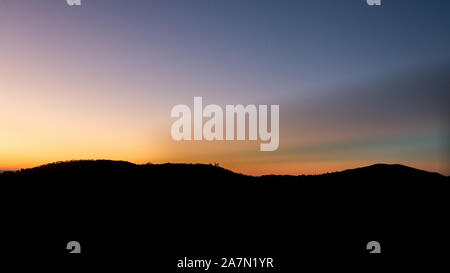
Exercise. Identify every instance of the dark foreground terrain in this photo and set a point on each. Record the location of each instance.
(149, 216)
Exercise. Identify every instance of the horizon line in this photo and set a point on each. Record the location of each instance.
(214, 164)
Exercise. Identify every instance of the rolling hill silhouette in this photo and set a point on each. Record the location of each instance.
(120, 209)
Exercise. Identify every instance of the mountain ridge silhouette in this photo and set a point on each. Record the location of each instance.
(102, 163)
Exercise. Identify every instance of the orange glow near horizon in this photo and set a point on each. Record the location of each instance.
(255, 170)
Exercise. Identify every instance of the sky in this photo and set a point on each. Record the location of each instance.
(356, 84)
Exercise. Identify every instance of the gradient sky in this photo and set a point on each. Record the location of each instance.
(356, 84)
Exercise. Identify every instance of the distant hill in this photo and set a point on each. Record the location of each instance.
(99, 166)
